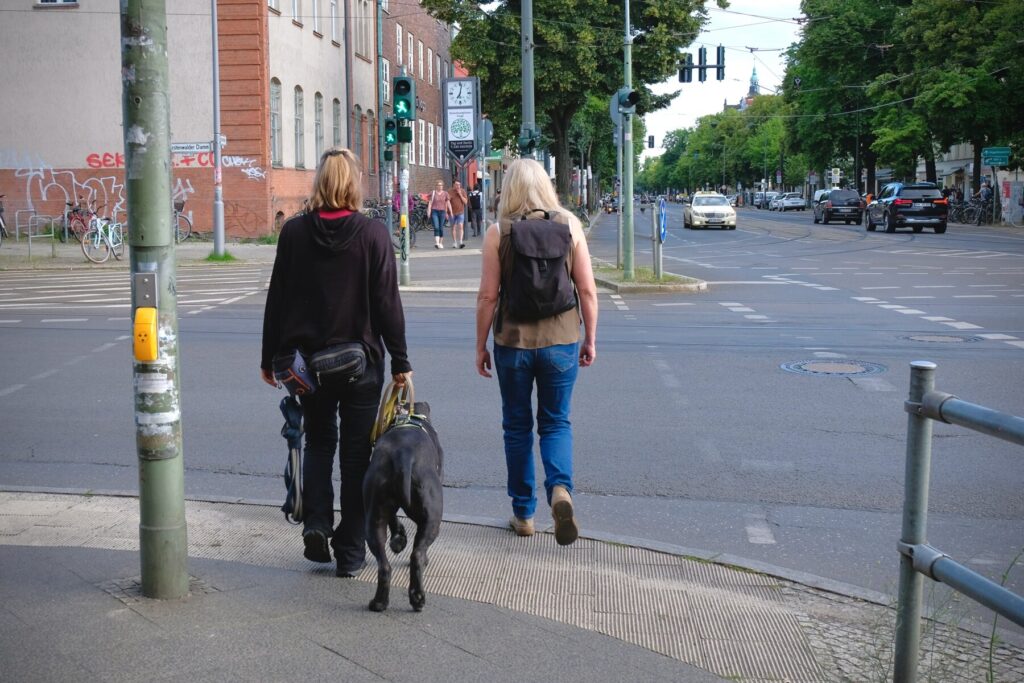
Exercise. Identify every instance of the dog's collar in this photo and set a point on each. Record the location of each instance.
(409, 420)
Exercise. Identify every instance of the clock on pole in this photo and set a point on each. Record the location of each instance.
(461, 116)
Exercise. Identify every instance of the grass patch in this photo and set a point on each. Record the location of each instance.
(227, 257)
(641, 275)
(267, 239)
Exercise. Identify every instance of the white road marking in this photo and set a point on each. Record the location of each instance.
(44, 375)
(237, 298)
(756, 317)
(671, 304)
(891, 306)
(615, 296)
(974, 296)
(934, 286)
(741, 309)
(864, 298)
(872, 383)
(123, 337)
(64, 320)
(1018, 344)
(886, 287)
(758, 530)
(963, 326)
(11, 389)
(913, 297)
(9, 321)
(997, 337)
(828, 354)
(104, 347)
(937, 318)
(746, 282)
(729, 303)
(910, 311)
(118, 320)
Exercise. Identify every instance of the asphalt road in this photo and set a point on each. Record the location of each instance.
(689, 431)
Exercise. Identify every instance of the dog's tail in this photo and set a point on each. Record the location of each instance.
(405, 463)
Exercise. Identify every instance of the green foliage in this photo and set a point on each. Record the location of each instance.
(227, 257)
(578, 55)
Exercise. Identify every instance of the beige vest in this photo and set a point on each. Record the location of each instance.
(563, 328)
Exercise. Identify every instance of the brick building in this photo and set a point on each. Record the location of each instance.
(420, 43)
(289, 89)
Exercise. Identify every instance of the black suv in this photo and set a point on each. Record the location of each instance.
(908, 204)
(835, 204)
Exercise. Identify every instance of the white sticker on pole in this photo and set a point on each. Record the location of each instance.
(403, 180)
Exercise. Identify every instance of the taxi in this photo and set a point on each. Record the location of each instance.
(709, 210)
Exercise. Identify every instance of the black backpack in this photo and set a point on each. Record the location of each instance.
(535, 281)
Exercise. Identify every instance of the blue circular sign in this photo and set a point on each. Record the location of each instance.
(663, 220)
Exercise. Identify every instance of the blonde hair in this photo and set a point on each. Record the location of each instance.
(337, 184)
(527, 187)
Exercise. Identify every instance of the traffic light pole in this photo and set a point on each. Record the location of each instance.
(529, 112)
(163, 544)
(618, 190)
(628, 269)
(404, 278)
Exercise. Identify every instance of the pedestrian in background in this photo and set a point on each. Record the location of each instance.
(440, 210)
(476, 212)
(494, 204)
(458, 199)
(545, 354)
(334, 281)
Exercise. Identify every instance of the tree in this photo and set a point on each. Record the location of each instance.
(578, 53)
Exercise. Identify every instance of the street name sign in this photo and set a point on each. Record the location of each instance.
(191, 147)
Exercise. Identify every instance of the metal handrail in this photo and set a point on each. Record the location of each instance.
(918, 559)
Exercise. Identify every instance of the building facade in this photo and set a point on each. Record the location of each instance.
(296, 77)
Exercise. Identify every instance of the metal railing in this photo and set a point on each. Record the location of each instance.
(918, 559)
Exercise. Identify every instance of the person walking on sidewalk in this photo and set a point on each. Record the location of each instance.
(459, 200)
(476, 209)
(440, 210)
(334, 281)
(545, 353)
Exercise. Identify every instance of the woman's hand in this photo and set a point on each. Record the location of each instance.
(588, 352)
(483, 363)
(268, 377)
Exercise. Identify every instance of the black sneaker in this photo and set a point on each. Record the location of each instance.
(316, 545)
(348, 572)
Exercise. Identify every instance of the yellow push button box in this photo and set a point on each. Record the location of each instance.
(145, 337)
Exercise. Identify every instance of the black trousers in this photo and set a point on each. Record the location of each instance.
(476, 219)
(355, 406)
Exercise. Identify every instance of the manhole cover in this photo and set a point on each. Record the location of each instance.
(833, 367)
(941, 338)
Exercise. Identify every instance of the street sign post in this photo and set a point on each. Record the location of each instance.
(995, 156)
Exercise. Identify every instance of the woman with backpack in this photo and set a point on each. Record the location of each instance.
(536, 323)
(333, 298)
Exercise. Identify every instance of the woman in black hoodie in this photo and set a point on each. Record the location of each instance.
(335, 281)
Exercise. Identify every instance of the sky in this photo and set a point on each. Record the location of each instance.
(769, 26)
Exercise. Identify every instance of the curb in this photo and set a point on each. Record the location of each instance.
(691, 285)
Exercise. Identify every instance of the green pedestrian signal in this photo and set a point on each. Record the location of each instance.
(404, 90)
(390, 131)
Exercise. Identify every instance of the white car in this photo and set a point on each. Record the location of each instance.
(791, 200)
(709, 209)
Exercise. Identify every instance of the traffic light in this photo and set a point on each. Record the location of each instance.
(527, 141)
(686, 73)
(702, 64)
(627, 98)
(404, 90)
(390, 131)
(650, 141)
(389, 155)
(720, 65)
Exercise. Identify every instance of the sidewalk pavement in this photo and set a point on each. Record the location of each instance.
(499, 608)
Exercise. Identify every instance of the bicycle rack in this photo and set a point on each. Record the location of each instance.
(34, 223)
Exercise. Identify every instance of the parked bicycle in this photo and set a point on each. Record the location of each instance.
(182, 224)
(75, 220)
(104, 237)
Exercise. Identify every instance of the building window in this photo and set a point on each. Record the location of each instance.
(384, 6)
(437, 66)
(419, 56)
(412, 145)
(430, 65)
(440, 148)
(334, 20)
(318, 124)
(297, 11)
(367, 28)
(357, 140)
(274, 5)
(411, 63)
(430, 145)
(336, 111)
(386, 68)
(316, 18)
(275, 122)
(398, 44)
(423, 143)
(444, 74)
(371, 143)
(300, 136)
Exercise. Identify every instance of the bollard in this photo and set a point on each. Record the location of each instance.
(915, 521)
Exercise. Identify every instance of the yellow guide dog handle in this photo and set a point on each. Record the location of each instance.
(394, 400)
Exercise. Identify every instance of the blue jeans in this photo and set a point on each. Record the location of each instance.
(437, 218)
(553, 369)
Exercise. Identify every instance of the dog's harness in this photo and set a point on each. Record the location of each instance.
(396, 410)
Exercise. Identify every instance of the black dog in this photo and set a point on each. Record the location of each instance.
(405, 472)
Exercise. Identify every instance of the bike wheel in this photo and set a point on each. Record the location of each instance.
(184, 227)
(117, 242)
(77, 227)
(94, 246)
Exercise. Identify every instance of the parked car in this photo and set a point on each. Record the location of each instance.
(914, 205)
(836, 204)
(707, 209)
(762, 200)
(791, 201)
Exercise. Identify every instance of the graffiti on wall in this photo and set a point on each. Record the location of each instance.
(246, 165)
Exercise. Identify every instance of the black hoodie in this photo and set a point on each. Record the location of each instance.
(335, 281)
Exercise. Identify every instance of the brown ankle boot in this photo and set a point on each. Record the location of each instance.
(566, 531)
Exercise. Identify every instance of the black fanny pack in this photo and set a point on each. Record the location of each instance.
(341, 362)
